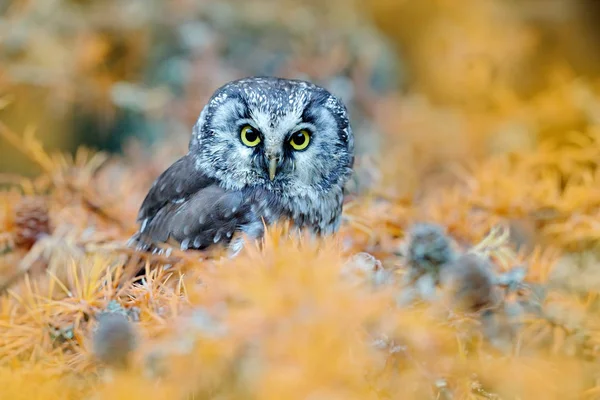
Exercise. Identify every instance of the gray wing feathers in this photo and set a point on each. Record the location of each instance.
(208, 217)
(177, 183)
(185, 205)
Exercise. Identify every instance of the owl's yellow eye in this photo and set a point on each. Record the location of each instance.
(249, 136)
(300, 140)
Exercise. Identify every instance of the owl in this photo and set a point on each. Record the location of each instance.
(263, 150)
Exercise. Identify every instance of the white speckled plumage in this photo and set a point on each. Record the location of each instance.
(222, 187)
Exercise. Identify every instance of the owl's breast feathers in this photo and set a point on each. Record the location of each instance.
(191, 208)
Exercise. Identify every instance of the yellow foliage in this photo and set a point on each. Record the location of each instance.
(510, 171)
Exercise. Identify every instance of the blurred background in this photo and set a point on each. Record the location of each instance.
(436, 81)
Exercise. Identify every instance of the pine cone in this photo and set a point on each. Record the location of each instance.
(31, 220)
(115, 339)
(429, 249)
(470, 280)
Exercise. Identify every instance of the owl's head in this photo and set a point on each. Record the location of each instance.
(288, 136)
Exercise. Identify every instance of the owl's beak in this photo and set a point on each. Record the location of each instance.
(272, 167)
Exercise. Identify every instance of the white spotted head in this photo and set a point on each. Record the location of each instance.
(288, 136)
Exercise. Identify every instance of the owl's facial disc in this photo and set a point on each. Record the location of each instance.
(286, 136)
(276, 155)
(269, 156)
(297, 141)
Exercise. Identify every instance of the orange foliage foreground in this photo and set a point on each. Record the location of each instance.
(386, 309)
